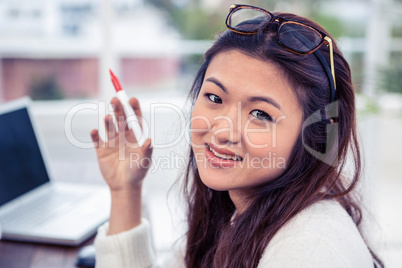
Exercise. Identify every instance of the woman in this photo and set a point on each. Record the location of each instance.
(272, 122)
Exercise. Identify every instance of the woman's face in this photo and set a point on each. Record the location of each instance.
(244, 125)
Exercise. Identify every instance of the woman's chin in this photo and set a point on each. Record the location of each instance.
(214, 184)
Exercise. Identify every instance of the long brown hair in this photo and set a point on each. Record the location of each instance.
(212, 239)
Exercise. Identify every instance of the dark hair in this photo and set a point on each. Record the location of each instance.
(212, 239)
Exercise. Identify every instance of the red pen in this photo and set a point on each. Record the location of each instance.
(132, 120)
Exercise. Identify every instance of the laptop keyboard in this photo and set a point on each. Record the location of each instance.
(40, 209)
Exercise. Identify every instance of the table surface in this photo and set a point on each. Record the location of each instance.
(31, 255)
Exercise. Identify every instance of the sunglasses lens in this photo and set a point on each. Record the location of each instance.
(299, 38)
(247, 20)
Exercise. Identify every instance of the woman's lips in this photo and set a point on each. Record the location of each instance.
(224, 153)
(219, 157)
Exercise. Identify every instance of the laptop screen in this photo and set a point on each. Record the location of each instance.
(21, 164)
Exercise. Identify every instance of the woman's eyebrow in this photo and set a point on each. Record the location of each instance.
(265, 99)
(216, 82)
(268, 100)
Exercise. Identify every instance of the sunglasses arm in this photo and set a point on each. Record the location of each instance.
(331, 57)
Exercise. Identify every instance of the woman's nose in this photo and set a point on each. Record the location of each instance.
(226, 129)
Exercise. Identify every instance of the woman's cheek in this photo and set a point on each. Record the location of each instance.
(272, 149)
(200, 124)
(258, 138)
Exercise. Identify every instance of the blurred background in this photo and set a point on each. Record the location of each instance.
(59, 51)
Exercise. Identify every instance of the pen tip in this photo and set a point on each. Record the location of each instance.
(115, 81)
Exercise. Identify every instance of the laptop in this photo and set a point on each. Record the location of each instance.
(32, 206)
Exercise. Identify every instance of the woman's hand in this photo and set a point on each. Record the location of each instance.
(123, 165)
(122, 162)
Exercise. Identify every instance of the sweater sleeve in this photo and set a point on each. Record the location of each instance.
(129, 249)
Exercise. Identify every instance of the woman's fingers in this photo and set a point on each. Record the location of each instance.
(121, 119)
(98, 142)
(135, 104)
(147, 148)
(119, 114)
(110, 128)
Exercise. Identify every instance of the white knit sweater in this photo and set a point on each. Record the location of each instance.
(322, 235)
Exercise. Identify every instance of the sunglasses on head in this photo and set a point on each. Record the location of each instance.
(293, 36)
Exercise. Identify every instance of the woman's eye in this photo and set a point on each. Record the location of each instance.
(261, 115)
(214, 98)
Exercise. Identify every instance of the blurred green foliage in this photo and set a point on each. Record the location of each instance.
(193, 21)
(397, 31)
(356, 62)
(330, 23)
(366, 106)
(391, 79)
